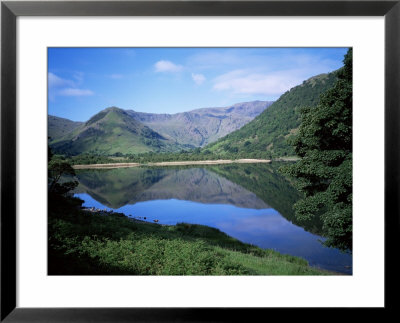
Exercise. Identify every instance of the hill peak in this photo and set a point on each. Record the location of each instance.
(113, 108)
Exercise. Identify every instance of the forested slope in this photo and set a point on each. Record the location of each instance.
(267, 134)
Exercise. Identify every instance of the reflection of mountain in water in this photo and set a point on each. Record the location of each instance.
(118, 187)
(270, 186)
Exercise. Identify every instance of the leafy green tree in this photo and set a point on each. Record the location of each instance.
(324, 143)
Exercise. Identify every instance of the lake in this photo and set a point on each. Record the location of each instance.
(250, 202)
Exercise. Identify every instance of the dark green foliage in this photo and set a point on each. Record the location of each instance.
(183, 155)
(87, 159)
(49, 154)
(267, 134)
(324, 143)
(58, 167)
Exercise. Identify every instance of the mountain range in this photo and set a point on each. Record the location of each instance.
(258, 129)
(126, 131)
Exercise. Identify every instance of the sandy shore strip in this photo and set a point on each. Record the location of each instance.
(250, 161)
(113, 165)
(288, 159)
(209, 162)
(175, 163)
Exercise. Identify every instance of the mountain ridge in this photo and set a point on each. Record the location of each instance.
(201, 126)
(162, 132)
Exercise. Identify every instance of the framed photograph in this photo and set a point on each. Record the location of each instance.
(181, 160)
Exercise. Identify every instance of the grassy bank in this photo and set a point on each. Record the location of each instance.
(87, 243)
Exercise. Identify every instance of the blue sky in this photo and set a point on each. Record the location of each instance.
(84, 81)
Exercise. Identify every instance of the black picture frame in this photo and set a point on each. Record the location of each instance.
(10, 10)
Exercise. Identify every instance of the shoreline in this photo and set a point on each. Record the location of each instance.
(174, 163)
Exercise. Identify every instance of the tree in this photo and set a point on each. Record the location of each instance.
(324, 172)
(57, 168)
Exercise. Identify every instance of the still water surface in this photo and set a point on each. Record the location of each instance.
(252, 203)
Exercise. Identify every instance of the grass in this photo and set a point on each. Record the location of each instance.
(85, 243)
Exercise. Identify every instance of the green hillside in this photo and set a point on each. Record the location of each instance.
(111, 131)
(59, 127)
(266, 136)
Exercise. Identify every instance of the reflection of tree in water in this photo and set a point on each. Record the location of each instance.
(268, 184)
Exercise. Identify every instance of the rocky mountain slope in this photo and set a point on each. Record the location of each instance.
(202, 126)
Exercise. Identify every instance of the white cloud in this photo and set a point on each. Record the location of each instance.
(56, 81)
(198, 78)
(249, 82)
(167, 66)
(75, 92)
(64, 87)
